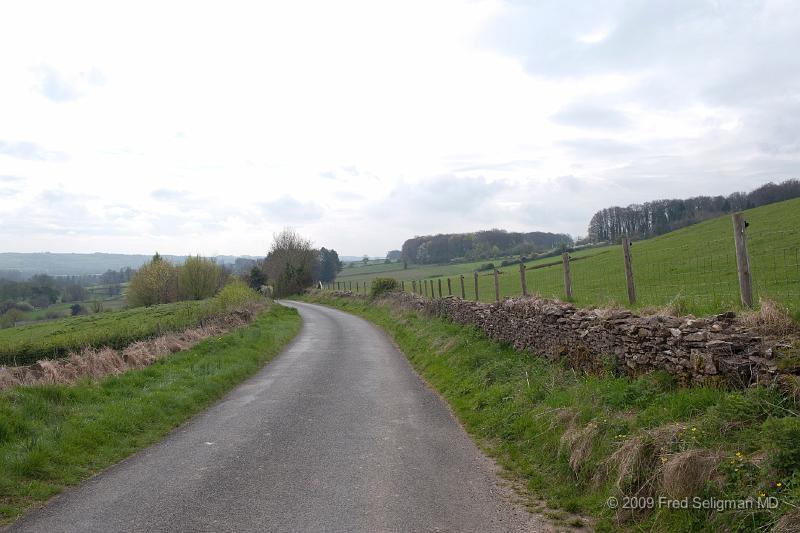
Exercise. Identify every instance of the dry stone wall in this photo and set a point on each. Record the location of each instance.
(716, 349)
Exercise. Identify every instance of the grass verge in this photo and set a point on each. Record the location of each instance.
(52, 436)
(576, 440)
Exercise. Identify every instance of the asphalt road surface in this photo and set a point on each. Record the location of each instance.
(336, 434)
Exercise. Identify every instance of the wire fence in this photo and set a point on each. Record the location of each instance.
(708, 274)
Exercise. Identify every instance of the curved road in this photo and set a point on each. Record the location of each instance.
(336, 434)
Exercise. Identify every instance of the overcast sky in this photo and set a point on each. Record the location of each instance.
(205, 127)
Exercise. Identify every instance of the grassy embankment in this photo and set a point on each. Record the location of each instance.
(576, 440)
(26, 344)
(693, 268)
(53, 436)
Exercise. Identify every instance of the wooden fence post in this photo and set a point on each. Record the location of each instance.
(440, 287)
(496, 285)
(743, 259)
(402, 286)
(449, 288)
(522, 276)
(476, 285)
(425, 283)
(413, 286)
(351, 286)
(463, 292)
(567, 276)
(626, 252)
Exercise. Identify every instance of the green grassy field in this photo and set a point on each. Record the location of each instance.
(26, 344)
(97, 294)
(418, 272)
(693, 268)
(575, 440)
(52, 436)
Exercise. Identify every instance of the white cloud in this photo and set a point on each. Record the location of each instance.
(199, 127)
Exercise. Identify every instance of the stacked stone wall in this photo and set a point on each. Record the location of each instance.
(715, 349)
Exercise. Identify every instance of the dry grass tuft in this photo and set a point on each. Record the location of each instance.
(562, 417)
(788, 523)
(632, 463)
(7, 378)
(686, 473)
(788, 383)
(651, 310)
(579, 443)
(446, 346)
(771, 319)
(636, 461)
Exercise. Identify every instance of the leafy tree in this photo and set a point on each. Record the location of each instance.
(365, 259)
(10, 318)
(256, 278)
(290, 263)
(74, 292)
(327, 265)
(198, 278)
(394, 255)
(154, 283)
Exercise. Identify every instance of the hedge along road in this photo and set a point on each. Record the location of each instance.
(336, 434)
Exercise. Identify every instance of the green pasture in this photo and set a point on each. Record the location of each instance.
(693, 268)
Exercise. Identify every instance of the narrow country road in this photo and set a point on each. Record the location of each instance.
(336, 434)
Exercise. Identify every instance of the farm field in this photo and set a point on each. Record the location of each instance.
(693, 268)
(51, 339)
(417, 272)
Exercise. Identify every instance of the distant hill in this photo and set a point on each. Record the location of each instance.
(56, 264)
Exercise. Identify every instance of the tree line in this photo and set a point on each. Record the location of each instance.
(159, 281)
(445, 248)
(641, 221)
